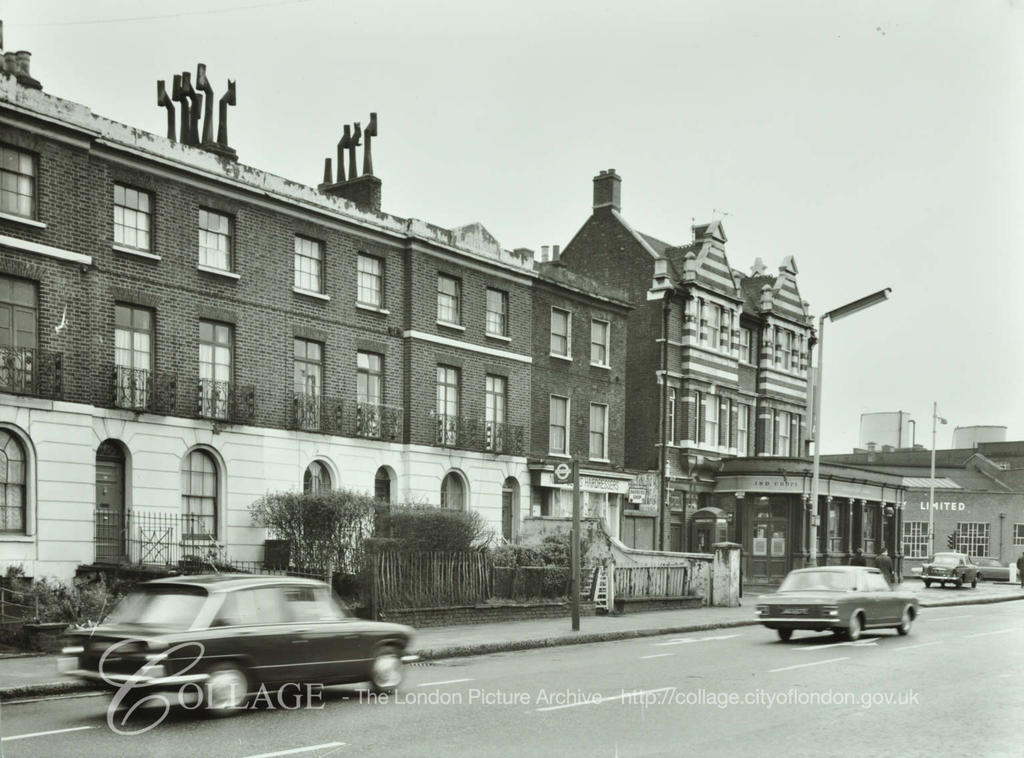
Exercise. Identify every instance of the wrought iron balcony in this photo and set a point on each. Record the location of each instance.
(226, 401)
(32, 371)
(470, 433)
(503, 439)
(315, 413)
(140, 390)
(376, 421)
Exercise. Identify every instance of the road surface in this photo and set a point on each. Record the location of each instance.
(953, 686)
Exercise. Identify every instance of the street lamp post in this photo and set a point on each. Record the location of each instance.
(833, 315)
(931, 483)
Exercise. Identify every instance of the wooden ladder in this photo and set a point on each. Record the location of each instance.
(600, 587)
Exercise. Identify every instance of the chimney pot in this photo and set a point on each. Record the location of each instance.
(555, 252)
(608, 190)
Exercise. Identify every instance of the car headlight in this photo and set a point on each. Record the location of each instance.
(762, 609)
(830, 610)
(73, 650)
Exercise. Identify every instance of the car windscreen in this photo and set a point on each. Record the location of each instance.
(946, 560)
(168, 606)
(839, 581)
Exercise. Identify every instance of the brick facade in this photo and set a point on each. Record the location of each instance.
(685, 333)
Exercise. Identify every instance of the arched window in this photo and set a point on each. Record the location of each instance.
(317, 478)
(382, 484)
(12, 484)
(453, 492)
(199, 487)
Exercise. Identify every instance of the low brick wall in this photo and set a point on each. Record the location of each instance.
(644, 604)
(45, 637)
(483, 614)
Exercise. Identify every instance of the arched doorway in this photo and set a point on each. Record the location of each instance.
(509, 508)
(382, 489)
(110, 503)
(453, 491)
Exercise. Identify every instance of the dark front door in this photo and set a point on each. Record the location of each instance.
(110, 517)
(767, 545)
(506, 513)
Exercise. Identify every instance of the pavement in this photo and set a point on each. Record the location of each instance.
(31, 675)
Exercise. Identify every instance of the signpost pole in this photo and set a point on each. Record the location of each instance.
(575, 550)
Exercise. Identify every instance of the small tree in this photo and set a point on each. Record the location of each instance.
(325, 528)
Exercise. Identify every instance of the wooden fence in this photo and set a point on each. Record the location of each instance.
(430, 579)
(652, 581)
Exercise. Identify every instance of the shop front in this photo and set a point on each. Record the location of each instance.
(766, 505)
(603, 494)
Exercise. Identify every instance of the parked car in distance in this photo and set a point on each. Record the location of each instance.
(225, 636)
(950, 568)
(991, 569)
(841, 599)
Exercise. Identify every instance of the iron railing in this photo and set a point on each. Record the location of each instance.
(226, 401)
(470, 433)
(377, 421)
(142, 390)
(316, 413)
(155, 538)
(32, 371)
(502, 438)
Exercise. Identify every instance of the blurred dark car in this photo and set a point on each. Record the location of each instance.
(950, 568)
(226, 636)
(841, 599)
(991, 569)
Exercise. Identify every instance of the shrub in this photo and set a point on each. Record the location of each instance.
(426, 527)
(325, 528)
(50, 600)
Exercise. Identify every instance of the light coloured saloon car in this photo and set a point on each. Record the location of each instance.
(840, 599)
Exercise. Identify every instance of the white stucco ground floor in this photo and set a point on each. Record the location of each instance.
(73, 470)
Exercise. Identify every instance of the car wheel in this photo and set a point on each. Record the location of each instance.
(959, 582)
(226, 689)
(853, 628)
(784, 634)
(906, 621)
(386, 673)
(927, 584)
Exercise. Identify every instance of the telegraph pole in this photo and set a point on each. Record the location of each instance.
(575, 549)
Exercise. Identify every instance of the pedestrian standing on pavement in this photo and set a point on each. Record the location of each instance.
(1020, 570)
(858, 558)
(884, 564)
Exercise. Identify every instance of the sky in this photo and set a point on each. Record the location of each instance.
(879, 143)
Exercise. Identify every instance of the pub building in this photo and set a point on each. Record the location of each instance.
(764, 504)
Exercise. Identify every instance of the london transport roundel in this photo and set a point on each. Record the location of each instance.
(562, 471)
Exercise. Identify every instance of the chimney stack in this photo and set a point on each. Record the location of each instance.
(17, 64)
(608, 190)
(556, 251)
(545, 254)
(363, 190)
(197, 105)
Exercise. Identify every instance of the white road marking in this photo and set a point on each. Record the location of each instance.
(295, 750)
(446, 681)
(949, 618)
(986, 634)
(805, 665)
(656, 655)
(684, 641)
(44, 734)
(923, 644)
(859, 643)
(595, 701)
